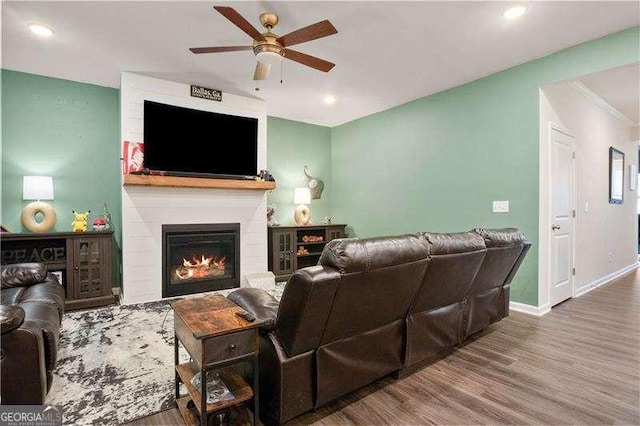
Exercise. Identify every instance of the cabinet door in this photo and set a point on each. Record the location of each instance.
(283, 252)
(88, 267)
(335, 232)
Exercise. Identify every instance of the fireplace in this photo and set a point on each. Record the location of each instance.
(200, 257)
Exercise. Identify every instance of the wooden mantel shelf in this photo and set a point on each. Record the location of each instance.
(189, 182)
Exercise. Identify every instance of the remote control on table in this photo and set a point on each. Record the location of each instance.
(246, 315)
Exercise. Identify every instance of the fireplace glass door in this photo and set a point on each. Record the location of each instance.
(204, 258)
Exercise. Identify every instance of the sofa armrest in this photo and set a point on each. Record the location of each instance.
(258, 302)
(23, 274)
(11, 317)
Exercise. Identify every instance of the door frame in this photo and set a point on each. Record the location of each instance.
(545, 219)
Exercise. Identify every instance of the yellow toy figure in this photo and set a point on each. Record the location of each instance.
(79, 223)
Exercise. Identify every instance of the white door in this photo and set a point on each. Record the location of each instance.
(562, 187)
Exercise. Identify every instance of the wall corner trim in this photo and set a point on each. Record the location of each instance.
(599, 101)
(537, 311)
(606, 279)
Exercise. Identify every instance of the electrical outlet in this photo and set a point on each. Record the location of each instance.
(501, 206)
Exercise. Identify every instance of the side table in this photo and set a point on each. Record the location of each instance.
(215, 338)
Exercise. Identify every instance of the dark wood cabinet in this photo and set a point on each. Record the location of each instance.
(81, 260)
(295, 247)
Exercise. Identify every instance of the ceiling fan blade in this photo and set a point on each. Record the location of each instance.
(308, 60)
(231, 14)
(219, 49)
(262, 71)
(312, 32)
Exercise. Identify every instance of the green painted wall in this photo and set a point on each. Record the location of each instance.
(434, 164)
(63, 129)
(291, 145)
(437, 163)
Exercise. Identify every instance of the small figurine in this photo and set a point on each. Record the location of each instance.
(80, 220)
(99, 224)
(315, 185)
(271, 221)
(107, 217)
(266, 176)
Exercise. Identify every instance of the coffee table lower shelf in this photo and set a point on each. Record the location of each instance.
(241, 390)
(237, 416)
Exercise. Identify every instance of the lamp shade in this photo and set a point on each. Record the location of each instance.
(302, 196)
(37, 188)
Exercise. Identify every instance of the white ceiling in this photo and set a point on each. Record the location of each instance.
(620, 88)
(387, 53)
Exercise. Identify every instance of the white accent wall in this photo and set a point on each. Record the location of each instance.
(146, 208)
(606, 234)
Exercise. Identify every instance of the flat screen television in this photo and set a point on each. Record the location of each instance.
(188, 142)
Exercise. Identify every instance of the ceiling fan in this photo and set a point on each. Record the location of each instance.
(269, 47)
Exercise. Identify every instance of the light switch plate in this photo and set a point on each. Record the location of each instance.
(501, 206)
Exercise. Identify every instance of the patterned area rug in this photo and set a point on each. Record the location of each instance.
(115, 364)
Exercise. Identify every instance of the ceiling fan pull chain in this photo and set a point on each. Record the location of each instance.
(281, 71)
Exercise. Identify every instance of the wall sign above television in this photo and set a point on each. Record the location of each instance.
(206, 93)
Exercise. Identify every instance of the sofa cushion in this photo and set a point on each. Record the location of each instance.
(379, 278)
(455, 260)
(505, 237)
(49, 292)
(258, 302)
(23, 274)
(304, 308)
(459, 242)
(46, 316)
(11, 295)
(11, 317)
(357, 255)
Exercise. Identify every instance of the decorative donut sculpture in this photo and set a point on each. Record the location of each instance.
(30, 213)
(302, 215)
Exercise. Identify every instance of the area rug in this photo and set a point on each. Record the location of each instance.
(115, 364)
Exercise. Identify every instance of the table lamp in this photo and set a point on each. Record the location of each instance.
(302, 197)
(38, 188)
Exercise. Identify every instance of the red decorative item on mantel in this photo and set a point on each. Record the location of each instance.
(132, 157)
(99, 224)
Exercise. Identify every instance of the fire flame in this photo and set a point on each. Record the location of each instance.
(201, 268)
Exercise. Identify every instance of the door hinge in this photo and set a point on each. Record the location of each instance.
(573, 155)
(573, 212)
(573, 271)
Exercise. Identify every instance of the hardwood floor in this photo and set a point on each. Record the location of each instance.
(578, 364)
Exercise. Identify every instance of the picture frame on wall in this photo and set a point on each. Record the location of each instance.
(616, 176)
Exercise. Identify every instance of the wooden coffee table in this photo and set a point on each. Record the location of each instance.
(214, 337)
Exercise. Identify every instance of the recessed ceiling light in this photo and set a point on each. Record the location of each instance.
(330, 99)
(515, 10)
(41, 30)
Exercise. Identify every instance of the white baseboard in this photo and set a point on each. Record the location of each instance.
(604, 280)
(529, 309)
(541, 310)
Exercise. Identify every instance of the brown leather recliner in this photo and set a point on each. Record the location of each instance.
(372, 307)
(30, 317)
(465, 289)
(488, 298)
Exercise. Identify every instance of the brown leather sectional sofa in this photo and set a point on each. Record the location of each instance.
(30, 317)
(377, 306)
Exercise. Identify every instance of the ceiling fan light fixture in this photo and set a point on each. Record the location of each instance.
(267, 57)
(515, 10)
